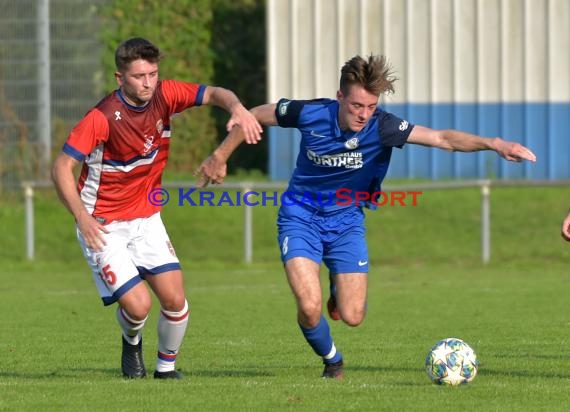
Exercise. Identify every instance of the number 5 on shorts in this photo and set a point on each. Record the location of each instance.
(108, 275)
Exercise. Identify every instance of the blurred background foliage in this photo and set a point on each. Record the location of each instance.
(214, 42)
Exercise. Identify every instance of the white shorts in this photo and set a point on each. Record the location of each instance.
(135, 248)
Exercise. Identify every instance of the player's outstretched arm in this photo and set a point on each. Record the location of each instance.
(214, 168)
(458, 141)
(566, 227)
(240, 116)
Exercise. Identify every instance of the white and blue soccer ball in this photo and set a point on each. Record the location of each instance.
(451, 361)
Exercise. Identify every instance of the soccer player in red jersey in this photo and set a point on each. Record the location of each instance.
(122, 144)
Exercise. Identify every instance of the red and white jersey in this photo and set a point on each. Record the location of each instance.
(125, 149)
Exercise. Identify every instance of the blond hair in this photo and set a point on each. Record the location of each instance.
(375, 75)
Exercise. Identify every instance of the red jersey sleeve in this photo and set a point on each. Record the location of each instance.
(89, 133)
(182, 95)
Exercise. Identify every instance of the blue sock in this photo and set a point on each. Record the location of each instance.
(321, 341)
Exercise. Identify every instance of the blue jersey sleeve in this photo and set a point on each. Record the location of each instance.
(297, 113)
(288, 112)
(394, 131)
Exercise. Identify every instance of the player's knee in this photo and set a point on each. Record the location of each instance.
(173, 303)
(137, 310)
(136, 302)
(353, 317)
(137, 313)
(353, 321)
(310, 314)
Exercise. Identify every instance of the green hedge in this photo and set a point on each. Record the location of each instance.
(219, 42)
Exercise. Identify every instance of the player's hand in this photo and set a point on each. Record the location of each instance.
(212, 170)
(566, 228)
(92, 232)
(514, 152)
(249, 124)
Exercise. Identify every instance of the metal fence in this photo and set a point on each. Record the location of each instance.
(484, 186)
(50, 72)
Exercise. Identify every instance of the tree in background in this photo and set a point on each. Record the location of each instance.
(220, 42)
(238, 43)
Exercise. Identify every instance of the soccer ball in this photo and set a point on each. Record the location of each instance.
(452, 362)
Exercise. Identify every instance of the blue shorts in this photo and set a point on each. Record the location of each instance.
(336, 238)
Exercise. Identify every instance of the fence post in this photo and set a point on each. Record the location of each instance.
(44, 84)
(247, 228)
(485, 221)
(29, 217)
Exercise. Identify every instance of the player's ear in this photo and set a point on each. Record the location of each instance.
(339, 95)
(119, 78)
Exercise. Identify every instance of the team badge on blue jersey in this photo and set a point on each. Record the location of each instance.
(283, 108)
(352, 144)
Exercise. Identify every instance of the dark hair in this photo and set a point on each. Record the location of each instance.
(134, 49)
(374, 74)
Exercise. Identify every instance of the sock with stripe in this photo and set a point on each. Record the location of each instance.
(321, 341)
(131, 328)
(171, 330)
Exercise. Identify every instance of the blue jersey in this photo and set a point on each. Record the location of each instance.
(335, 167)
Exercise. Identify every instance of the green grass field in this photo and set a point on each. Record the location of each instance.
(60, 348)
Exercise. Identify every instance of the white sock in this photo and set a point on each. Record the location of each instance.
(131, 328)
(171, 330)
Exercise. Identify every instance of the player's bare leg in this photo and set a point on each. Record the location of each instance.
(303, 278)
(173, 320)
(351, 290)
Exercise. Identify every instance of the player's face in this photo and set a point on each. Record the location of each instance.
(138, 82)
(356, 108)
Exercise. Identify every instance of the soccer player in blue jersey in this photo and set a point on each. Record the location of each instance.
(346, 143)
